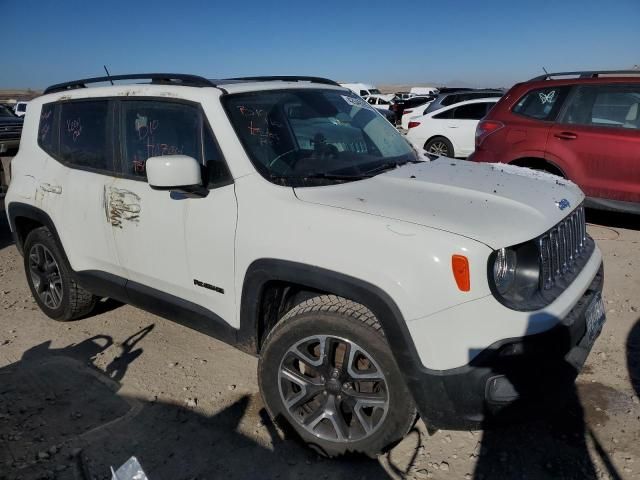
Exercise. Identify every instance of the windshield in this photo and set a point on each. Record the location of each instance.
(5, 112)
(374, 91)
(295, 137)
(22, 107)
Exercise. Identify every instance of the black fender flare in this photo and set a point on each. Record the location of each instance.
(24, 210)
(374, 298)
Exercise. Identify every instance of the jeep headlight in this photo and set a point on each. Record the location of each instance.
(515, 276)
(504, 270)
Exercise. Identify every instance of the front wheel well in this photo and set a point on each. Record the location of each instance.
(539, 164)
(278, 297)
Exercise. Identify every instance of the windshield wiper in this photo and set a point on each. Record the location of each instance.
(387, 166)
(322, 176)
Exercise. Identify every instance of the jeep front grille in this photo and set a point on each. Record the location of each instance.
(562, 249)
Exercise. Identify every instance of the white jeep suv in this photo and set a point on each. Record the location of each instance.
(285, 216)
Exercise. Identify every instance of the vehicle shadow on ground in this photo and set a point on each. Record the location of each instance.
(62, 418)
(552, 441)
(613, 219)
(633, 356)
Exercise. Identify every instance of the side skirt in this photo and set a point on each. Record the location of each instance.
(159, 303)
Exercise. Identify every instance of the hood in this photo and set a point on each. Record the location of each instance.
(496, 204)
(12, 120)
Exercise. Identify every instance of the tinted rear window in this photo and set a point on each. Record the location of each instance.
(541, 104)
(83, 134)
(605, 106)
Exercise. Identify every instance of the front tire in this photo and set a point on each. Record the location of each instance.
(50, 281)
(326, 371)
(439, 146)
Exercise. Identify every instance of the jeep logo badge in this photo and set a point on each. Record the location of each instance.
(562, 204)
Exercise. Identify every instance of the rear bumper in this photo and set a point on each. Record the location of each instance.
(536, 370)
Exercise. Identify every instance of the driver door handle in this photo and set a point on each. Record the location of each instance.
(566, 135)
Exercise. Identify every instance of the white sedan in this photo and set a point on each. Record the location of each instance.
(450, 131)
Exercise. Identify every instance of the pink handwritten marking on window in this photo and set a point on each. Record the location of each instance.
(145, 131)
(254, 130)
(247, 112)
(44, 130)
(74, 127)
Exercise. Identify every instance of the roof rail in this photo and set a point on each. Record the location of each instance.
(585, 74)
(284, 78)
(156, 78)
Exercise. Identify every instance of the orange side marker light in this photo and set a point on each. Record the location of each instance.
(460, 267)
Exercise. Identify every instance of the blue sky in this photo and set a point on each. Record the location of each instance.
(481, 43)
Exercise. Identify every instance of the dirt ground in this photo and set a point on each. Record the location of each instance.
(79, 397)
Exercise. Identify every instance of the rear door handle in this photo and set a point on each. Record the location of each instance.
(47, 187)
(566, 135)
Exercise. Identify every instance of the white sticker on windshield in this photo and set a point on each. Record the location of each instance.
(355, 101)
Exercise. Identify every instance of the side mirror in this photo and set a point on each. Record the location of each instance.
(175, 172)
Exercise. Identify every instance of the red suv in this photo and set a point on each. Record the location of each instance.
(585, 128)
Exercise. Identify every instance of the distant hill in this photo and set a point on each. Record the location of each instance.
(11, 94)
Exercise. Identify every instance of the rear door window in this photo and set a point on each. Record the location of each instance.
(472, 111)
(446, 114)
(542, 104)
(84, 133)
(449, 100)
(604, 106)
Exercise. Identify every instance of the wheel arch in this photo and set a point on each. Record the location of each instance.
(23, 218)
(434, 137)
(310, 280)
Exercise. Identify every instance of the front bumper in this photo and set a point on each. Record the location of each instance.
(7, 145)
(532, 371)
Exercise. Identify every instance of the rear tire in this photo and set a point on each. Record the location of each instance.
(439, 146)
(49, 278)
(327, 373)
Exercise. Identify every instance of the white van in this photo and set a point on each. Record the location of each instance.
(362, 89)
(416, 91)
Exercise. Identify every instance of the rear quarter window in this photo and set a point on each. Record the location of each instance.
(46, 133)
(542, 103)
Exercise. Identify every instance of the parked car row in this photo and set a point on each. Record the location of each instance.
(584, 127)
(449, 131)
(418, 101)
